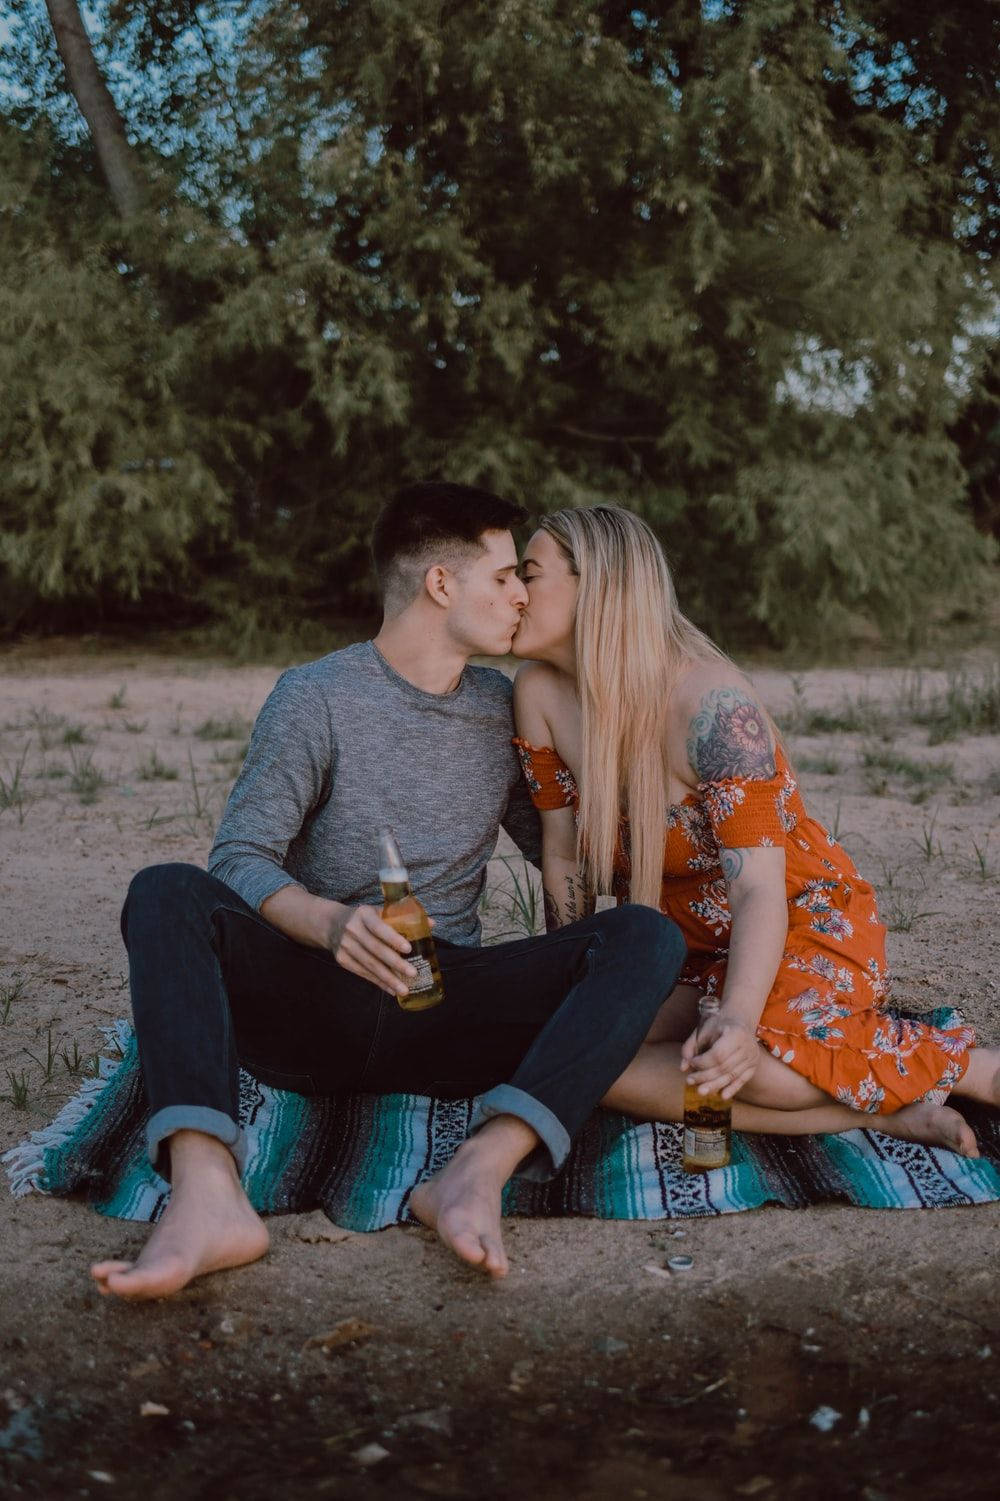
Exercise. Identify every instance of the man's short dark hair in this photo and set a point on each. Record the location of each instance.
(433, 521)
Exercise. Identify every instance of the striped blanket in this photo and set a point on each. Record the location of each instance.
(359, 1157)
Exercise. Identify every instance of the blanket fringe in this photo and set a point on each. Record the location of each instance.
(25, 1163)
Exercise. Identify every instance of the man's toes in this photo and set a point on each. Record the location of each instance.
(495, 1259)
(142, 1282)
(101, 1270)
(469, 1246)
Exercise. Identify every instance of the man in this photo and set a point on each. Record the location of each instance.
(277, 957)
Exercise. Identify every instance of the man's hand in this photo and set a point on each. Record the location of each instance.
(720, 1056)
(356, 936)
(362, 942)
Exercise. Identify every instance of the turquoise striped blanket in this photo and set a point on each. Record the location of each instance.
(359, 1157)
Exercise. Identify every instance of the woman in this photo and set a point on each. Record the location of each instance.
(629, 719)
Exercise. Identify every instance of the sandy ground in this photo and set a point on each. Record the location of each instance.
(585, 1374)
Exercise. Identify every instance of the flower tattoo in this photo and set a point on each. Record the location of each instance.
(730, 737)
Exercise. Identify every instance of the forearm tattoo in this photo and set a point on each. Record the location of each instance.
(577, 902)
(729, 737)
(732, 863)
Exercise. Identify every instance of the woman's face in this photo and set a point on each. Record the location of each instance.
(546, 629)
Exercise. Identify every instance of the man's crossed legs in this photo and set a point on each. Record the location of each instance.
(539, 1028)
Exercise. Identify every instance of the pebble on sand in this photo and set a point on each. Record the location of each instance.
(371, 1454)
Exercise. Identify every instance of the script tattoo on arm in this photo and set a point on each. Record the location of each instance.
(576, 901)
(729, 737)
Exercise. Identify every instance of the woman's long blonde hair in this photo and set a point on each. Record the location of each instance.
(632, 643)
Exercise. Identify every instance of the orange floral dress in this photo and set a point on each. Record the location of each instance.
(825, 1014)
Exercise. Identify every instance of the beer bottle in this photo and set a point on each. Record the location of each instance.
(403, 912)
(708, 1118)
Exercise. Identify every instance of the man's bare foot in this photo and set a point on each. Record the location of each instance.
(462, 1203)
(934, 1125)
(208, 1225)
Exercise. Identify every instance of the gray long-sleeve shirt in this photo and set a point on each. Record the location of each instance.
(345, 745)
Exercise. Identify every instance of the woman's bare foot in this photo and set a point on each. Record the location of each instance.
(934, 1125)
(208, 1225)
(462, 1201)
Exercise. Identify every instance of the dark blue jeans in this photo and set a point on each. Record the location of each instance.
(541, 1027)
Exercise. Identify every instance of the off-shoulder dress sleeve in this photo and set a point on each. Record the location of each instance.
(749, 812)
(549, 779)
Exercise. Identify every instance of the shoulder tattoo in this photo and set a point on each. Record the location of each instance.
(729, 737)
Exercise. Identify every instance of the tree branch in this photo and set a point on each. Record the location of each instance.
(579, 432)
(105, 124)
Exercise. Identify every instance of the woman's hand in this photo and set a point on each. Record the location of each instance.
(720, 1056)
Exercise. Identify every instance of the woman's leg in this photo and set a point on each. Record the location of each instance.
(677, 1016)
(783, 1103)
(981, 1080)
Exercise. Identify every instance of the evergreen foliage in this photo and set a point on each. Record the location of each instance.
(725, 263)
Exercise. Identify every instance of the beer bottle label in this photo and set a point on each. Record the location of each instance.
(424, 978)
(706, 1145)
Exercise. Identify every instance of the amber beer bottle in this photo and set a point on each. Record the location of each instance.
(403, 912)
(708, 1118)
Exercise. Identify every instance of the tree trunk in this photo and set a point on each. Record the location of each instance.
(106, 126)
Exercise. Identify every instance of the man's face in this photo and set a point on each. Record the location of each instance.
(489, 598)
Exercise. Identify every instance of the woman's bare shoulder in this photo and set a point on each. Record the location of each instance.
(704, 678)
(537, 692)
(723, 722)
(531, 678)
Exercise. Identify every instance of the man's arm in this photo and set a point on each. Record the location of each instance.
(286, 776)
(522, 822)
(356, 936)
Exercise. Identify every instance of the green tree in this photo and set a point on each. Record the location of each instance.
(702, 259)
(104, 493)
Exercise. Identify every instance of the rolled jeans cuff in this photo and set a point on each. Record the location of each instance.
(554, 1142)
(192, 1118)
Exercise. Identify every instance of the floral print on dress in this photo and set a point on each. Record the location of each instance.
(567, 781)
(815, 895)
(713, 908)
(824, 1017)
(819, 1016)
(786, 814)
(561, 776)
(721, 799)
(697, 829)
(833, 925)
(867, 1094)
(840, 977)
(528, 769)
(877, 976)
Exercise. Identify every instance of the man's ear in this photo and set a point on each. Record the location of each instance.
(437, 582)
